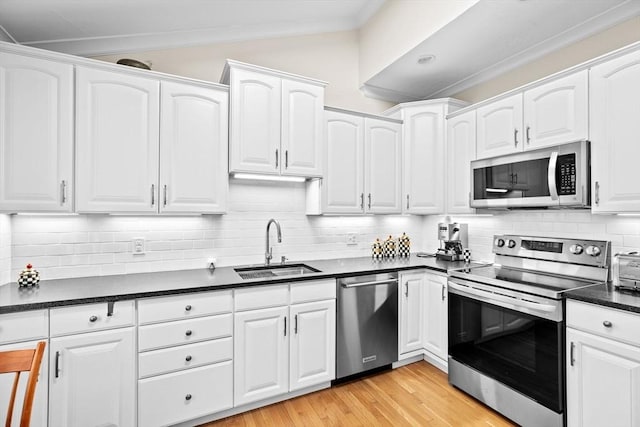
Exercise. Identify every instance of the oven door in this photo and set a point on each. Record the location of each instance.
(505, 337)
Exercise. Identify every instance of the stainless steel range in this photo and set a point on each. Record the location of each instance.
(506, 323)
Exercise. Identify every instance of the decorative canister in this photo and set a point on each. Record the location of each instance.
(376, 249)
(389, 248)
(28, 277)
(466, 256)
(404, 246)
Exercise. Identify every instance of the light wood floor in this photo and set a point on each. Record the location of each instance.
(414, 395)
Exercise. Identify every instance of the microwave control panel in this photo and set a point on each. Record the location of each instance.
(566, 175)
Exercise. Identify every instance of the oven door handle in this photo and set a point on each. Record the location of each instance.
(500, 299)
(551, 175)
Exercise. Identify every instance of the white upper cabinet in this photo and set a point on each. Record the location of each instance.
(343, 184)
(499, 128)
(36, 134)
(117, 144)
(461, 149)
(193, 148)
(302, 128)
(382, 165)
(556, 112)
(552, 113)
(615, 126)
(276, 121)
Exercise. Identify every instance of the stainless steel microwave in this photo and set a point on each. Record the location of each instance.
(551, 177)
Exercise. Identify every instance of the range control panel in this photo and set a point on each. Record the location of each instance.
(574, 251)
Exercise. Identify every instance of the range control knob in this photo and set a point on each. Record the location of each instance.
(576, 249)
(593, 250)
(512, 243)
(499, 243)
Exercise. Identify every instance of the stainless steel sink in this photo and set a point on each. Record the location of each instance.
(260, 272)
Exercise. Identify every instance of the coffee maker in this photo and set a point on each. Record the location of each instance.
(453, 239)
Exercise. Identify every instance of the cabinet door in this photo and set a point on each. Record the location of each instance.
(423, 143)
(435, 315)
(382, 165)
(410, 311)
(603, 381)
(614, 112)
(93, 379)
(254, 137)
(39, 410)
(499, 127)
(117, 142)
(343, 185)
(556, 112)
(313, 344)
(302, 129)
(36, 137)
(261, 354)
(193, 149)
(461, 150)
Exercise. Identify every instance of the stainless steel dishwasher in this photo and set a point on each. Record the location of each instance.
(367, 323)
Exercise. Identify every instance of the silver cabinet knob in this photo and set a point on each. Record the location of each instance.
(188, 332)
(188, 307)
(188, 397)
(607, 324)
(93, 319)
(188, 358)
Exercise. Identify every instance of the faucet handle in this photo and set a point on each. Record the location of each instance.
(283, 259)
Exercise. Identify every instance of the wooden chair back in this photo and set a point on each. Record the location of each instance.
(18, 361)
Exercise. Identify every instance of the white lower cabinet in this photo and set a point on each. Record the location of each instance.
(603, 366)
(435, 317)
(411, 312)
(185, 360)
(284, 339)
(92, 381)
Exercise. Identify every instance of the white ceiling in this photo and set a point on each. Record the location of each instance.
(491, 37)
(97, 27)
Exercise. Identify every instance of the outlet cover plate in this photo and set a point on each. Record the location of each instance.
(138, 246)
(352, 239)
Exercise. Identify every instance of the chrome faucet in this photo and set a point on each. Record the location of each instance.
(268, 254)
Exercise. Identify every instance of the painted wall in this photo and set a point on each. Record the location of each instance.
(332, 57)
(399, 26)
(89, 245)
(5, 248)
(614, 38)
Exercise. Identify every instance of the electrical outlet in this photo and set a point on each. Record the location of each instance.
(352, 239)
(138, 246)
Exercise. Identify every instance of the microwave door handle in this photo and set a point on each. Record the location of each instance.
(551, 175)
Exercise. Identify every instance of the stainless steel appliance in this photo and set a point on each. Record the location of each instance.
(556, 176)
(453, 239)
(506, 323)
(367, 323)
(626, 271)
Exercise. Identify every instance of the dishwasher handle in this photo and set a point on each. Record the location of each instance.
(373, 283)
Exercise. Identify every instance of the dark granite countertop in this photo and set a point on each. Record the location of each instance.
(605, 294)
(84, 290)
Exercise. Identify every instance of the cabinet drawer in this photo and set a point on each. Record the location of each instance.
(91, 317)
(181, 396)
(184, 331)
(623, 325)
(261, 297)
(313, 290)
(185, 356)
(179, 307)
(24, 326)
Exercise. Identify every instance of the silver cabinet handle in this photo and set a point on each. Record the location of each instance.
(597, 193)
(285, 326)
(515, 137)
(295, 328)
(277, 156)
(63, 192)
(443, 293)
(164, 203)
(362, 201)
(93, 319)
(57, 365)
(406, 289)
(607, 324)
(369, 201)
(286, 159)
(407, 201)
(153, 194)
(528, 137)
(571, 358)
